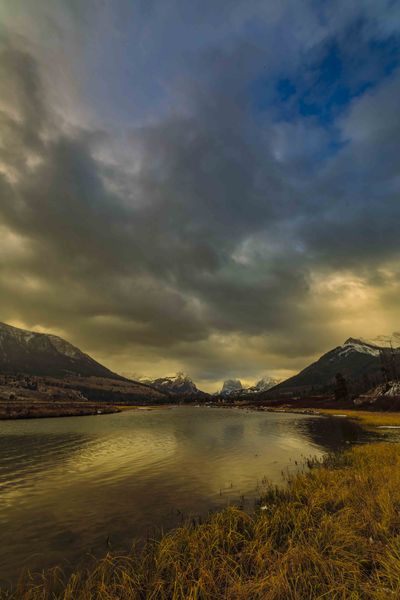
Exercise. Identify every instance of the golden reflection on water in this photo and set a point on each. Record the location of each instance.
(70, 487)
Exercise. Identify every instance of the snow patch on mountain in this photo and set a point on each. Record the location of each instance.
(387, 390)
(37, 353)
(355, 345)
(266, 383)
(20, 335)
(234, 387)
(176, 384)
(23, 336)
(65, 347)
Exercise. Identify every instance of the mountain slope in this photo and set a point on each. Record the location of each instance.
(354, 359)
(29, 352)
(266, 383)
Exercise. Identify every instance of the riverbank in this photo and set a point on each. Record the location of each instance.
(30, 397)
(333, 532)
(43, 410)
(141, 407)
(369, 419)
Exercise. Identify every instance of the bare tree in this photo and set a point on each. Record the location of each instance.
(390, 355)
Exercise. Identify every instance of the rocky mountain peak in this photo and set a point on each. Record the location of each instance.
(175, 384)
(230, 386)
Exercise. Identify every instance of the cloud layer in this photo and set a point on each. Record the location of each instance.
(211, 189)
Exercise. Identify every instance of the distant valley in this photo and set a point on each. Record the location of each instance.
(43, 374)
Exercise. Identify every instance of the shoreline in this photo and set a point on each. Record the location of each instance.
(15, 412)
(332, 532)
(368, 419)
(314, 530)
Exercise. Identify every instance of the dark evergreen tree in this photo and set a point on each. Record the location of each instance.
(341, 389)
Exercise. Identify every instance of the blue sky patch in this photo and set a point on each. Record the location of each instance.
(330, 77)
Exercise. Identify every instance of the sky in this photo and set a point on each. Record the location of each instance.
(207, 187)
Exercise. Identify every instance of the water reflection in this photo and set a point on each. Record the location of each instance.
(334, 433)
(71, 487)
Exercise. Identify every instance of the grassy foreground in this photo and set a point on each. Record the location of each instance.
(333, 533)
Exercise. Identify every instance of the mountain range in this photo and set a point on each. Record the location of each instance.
(233, 387)
(355, 359)
(24, 352)
(179, 384)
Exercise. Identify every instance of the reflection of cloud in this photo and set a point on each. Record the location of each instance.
(115, 458)
(208, 447)
(83, 459)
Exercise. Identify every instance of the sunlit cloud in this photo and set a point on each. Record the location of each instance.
(211, 189)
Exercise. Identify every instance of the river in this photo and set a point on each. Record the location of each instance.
(75, 487)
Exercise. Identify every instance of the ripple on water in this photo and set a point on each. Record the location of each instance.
(69, 485)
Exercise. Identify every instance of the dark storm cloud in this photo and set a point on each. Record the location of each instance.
(209, 234)
(357, 209)
(197, 195)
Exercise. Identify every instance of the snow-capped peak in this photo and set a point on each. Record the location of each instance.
(356, 345)
(179, 383)
(231, 386)
(266, 383)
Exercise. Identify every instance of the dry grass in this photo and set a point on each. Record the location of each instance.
(332, 533)
(368, 418)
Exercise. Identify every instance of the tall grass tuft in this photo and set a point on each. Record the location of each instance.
(333, 533)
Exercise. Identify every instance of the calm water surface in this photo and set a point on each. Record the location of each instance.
(75, 487)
